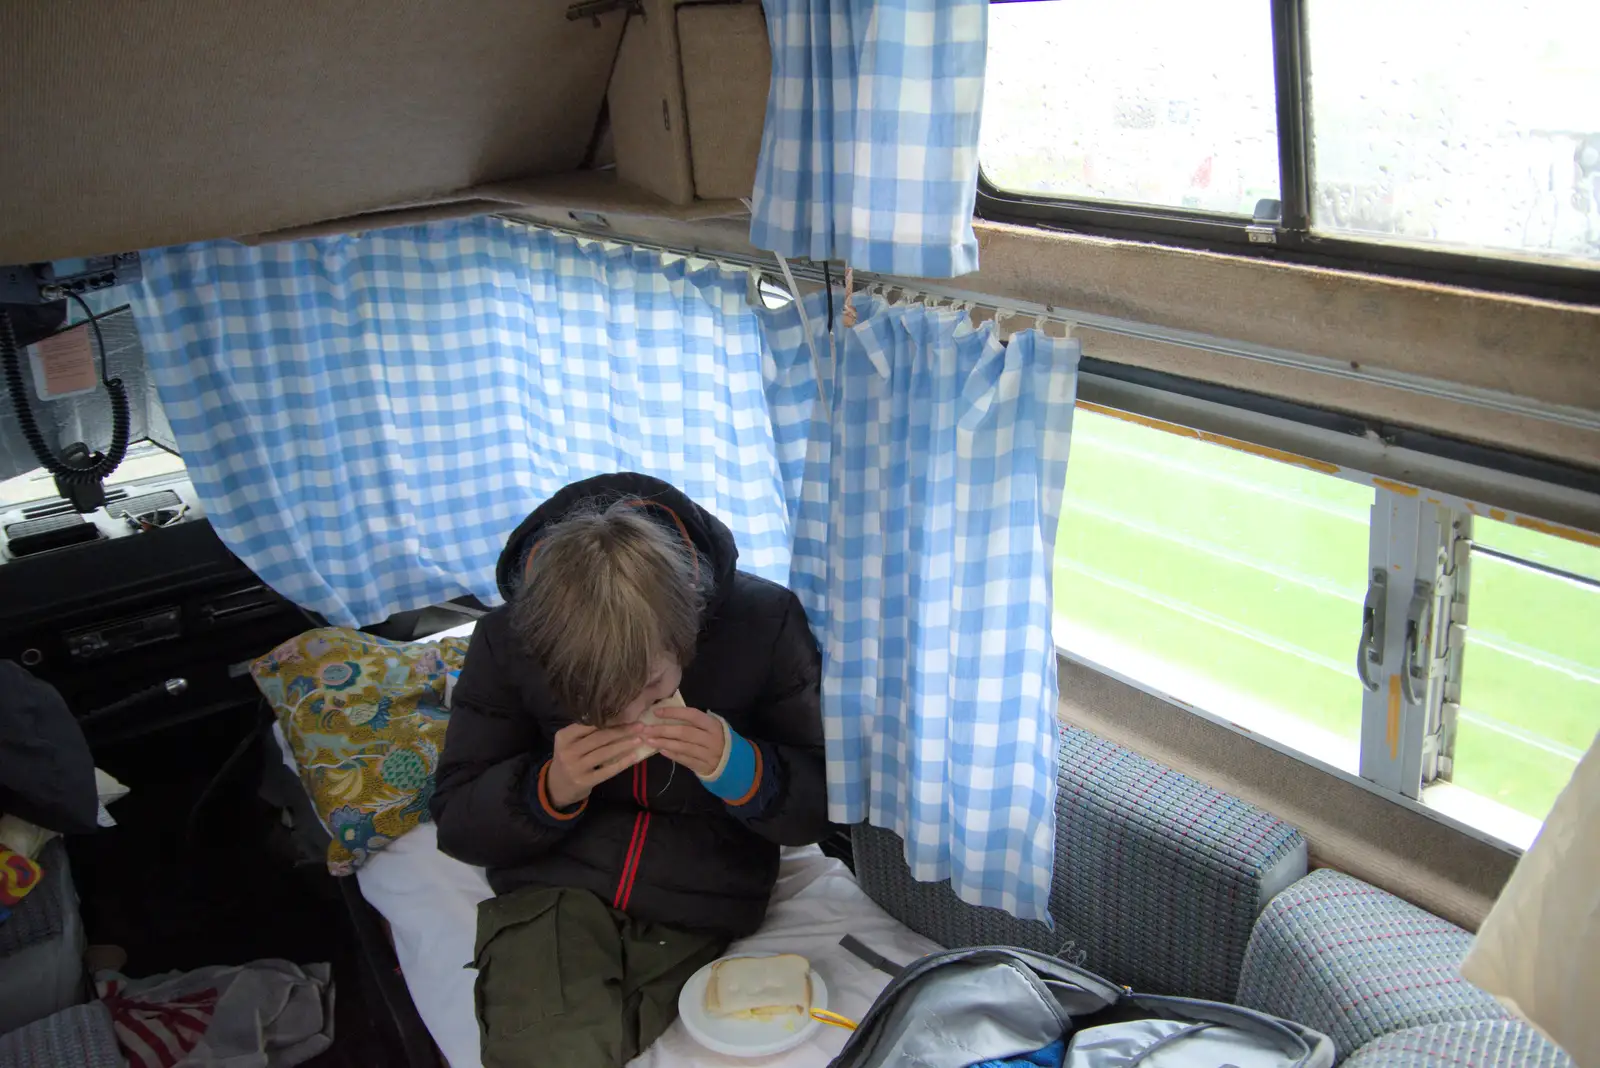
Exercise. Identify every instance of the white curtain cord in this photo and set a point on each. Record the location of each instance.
(805, 324)
(811, 339)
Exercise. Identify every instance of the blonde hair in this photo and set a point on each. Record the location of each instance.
(607, 593)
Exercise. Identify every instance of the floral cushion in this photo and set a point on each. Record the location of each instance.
(365, 718)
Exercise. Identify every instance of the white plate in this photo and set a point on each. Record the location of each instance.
(745, 1038)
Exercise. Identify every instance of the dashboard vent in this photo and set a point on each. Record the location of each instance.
(60, 507)
(52, 532)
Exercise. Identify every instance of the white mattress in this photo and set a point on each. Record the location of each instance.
(431, 903)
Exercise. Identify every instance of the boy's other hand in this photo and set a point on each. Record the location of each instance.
(689, 737)
(584, 758)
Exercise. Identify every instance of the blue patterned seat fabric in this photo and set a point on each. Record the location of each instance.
(1357, 963)
(1158, 877)
(1467, 1044)
(81, 1036)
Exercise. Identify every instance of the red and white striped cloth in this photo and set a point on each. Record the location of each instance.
(158, 1034)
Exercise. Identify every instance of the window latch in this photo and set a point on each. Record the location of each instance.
(1416, 669)
(1264, 223)
(1369, 653)
(1438, 748)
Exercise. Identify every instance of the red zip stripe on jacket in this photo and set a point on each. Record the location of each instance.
(644, 833)
(641, 828)
(627, 861)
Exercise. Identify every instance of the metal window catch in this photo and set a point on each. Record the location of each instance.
(1441, 642)
(1263, 226)
(1369, 653)
(1445, 743)
(1416, 667)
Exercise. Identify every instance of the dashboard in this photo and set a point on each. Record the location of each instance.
(121, 601)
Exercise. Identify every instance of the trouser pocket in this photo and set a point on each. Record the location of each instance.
(518, 957)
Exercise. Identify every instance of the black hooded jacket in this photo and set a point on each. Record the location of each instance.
(653, 841)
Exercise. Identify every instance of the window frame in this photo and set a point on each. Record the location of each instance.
(1405, 745)
(1470, 478)
(1288, 238)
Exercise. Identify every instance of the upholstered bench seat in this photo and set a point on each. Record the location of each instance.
(81, 1036)
(41, 947)
(1465, 1044)
(1357, 963)
(1159, 878)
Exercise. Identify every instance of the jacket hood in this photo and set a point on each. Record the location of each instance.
(666, 505)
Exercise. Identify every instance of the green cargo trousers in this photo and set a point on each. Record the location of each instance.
(566, 981)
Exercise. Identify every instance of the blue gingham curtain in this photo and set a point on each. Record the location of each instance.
(924, 525)
(366, 418)
(870, 149)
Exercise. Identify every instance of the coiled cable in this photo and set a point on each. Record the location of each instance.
(121, 419)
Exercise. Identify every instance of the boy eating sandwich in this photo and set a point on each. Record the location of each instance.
(633, 736)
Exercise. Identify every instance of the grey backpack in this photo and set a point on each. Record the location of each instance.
(967, 1006)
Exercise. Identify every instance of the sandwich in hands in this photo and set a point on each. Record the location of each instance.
(759, 988)
(649, 718)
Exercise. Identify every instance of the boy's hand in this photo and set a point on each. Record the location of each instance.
(689, 737)
(584, 758)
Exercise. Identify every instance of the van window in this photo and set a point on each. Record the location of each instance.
(152, 449)
(1115, 102)
(1227, 581)
(1530, 685)
(145, 459)
(1459, 142)
(1233, 581)
(1472, 126)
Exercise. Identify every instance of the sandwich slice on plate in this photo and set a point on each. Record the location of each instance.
(759, 988)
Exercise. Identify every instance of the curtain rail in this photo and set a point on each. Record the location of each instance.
(1419, 385)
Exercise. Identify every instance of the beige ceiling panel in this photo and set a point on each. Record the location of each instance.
(130, 124)
(649, 128)
(727, 69)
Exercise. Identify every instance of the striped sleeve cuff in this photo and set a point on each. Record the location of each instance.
(545, 809)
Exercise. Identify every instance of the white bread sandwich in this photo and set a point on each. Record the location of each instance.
(649, 718)
(759, 988)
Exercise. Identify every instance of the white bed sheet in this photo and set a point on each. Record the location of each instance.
(431, 903)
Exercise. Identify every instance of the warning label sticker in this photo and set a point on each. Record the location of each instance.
(63, 365)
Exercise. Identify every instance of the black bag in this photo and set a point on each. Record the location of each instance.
(46, 771)
(955, 1009)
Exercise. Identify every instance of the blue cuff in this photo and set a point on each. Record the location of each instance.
(741, 775)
